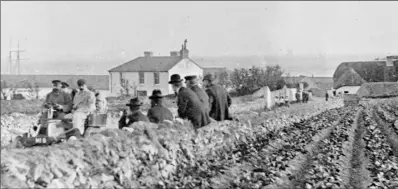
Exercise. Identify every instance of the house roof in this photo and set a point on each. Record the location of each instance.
(323, 80)
(290, 79)
(369, 71)
(393, 57)
(379, 89)
(149, 64)
(349, 78)
(100, 82)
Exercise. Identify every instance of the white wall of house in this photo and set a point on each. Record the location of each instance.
(133, 78)
(350, 89)
(183, 68)
(114, 83)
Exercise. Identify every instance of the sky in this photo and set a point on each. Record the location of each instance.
(106, 30)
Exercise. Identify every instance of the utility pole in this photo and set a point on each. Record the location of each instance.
(9, 56)
(18, 51)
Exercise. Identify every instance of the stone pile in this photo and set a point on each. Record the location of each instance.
(146, 156)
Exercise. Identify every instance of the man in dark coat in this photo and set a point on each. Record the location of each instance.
(305, 97)
(192, 83)
(133, 114)
(189, 105)
(327, 96)
(158, 113)
(59, 100)
(219, 99)
(298, 97)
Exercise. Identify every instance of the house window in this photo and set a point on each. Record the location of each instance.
(142, 77)
(345, 92)
(156, 77)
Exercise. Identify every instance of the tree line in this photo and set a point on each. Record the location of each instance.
(245, 81)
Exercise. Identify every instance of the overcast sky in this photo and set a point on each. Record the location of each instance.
(89, 29)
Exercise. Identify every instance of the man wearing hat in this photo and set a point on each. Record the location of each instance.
(133, 113)
(158, 113)
(61, 101)
(219, 99)
(189, 105)
(83, 105)
(192, 82)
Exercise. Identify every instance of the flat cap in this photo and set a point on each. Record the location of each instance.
(56, 81)
(190, 77)
(81, 82)
(64, 84)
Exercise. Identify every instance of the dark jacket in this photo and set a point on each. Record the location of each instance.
(220, 101)
(190, 107)
(203, 97)
(159, 113)
(134, 117)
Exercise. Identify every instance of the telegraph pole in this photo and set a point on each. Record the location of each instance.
(18, 51)
(9, 56)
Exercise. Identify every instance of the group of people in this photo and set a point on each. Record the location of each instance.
(198, 105)
(74, 104)
(194, 103)
(305, 97)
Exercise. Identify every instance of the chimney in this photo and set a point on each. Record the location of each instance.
(184, 51)
(148, 53)
(174, 53)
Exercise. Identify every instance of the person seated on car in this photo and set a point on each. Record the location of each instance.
(132, 114)
(158, 113)
(83, 105)
(60, 101)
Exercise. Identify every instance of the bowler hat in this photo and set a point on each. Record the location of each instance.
(156, 94)
(134, 102)
(56, 81)
(208, 77)
(175, 78)
(190, 77)
(81, 82)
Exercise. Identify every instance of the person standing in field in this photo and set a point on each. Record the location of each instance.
(132, 114)
(327, 96)
(158, 113)
(189, 105)
(192, 83)
(83, 105)
(219, 99)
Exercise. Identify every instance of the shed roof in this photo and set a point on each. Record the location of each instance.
(100, 82)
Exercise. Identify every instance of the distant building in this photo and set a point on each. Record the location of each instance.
(317, 85)
(27, 84)
(150, 72)
(349, 76)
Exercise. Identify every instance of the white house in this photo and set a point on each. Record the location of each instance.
(150, 72)
(27, 84)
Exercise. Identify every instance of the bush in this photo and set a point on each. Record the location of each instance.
(246, 81)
